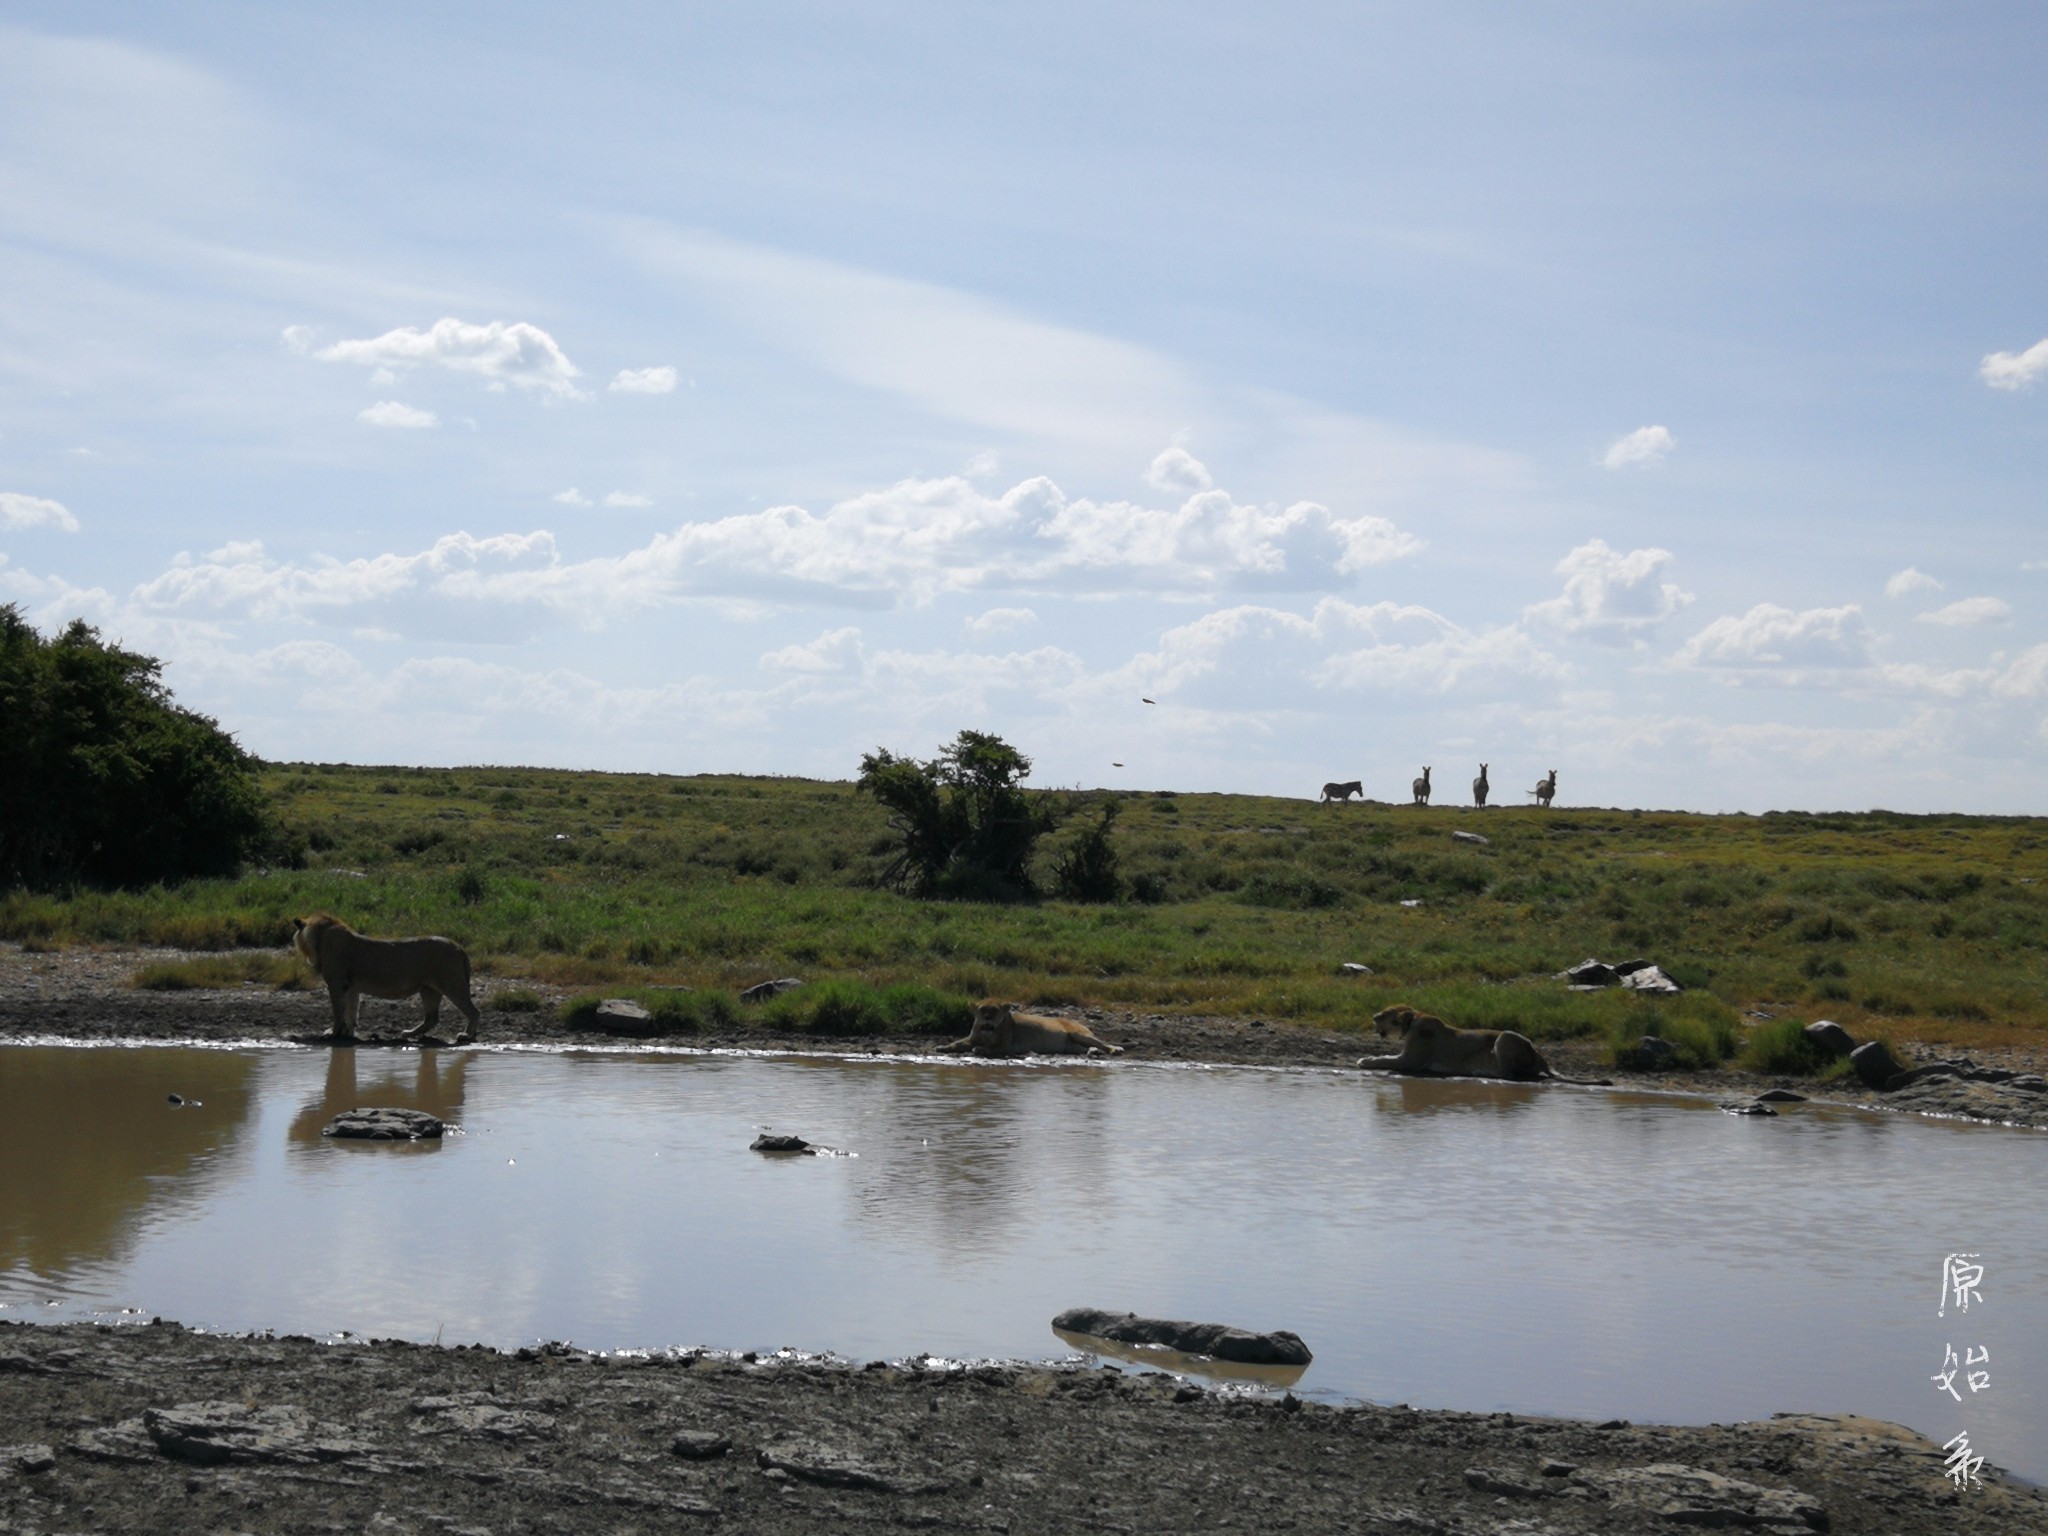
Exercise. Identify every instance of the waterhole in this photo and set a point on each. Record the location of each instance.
(1444, 1244)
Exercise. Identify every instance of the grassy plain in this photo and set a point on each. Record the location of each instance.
(1917, 927)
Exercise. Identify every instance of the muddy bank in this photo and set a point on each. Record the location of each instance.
(85, 994)
(154, 1428)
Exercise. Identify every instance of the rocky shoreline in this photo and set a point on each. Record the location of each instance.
(85, 995)
(157, 1428)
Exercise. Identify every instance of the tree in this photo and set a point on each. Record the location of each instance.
(964, 826)
(1087, 871)
(103, 779)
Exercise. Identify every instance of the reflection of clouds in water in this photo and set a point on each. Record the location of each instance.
(91, 1148)
(958, 1158)
(359, 1077)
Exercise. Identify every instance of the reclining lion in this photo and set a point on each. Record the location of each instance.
(1432, 1048)
(1000, 1031)
(353, 966)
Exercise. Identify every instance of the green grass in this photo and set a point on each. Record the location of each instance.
(1923, 927)
(213, 971)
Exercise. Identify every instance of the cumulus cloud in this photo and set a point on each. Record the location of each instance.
(18, 510)
(392, 413)
(1177, 470)
(1910, 580)
(2015, 370)
(1610, 596)
(1257, 658)
(1000, 621)
(521, 355)
(1645, 445)
(906, 543)
(644, 381)
(627, 499)
(1970, 610)
(573, 498)
(242, 579)
(1770, 636)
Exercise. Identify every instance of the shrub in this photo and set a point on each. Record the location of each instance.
(1087, 871)
(1781, 1045)
(962, 825)
(517, 1000)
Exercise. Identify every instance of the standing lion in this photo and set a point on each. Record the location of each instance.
(352, 966)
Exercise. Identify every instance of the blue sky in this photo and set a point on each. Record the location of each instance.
(1657, 393)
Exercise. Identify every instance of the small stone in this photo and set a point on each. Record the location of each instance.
(766, 1142)
(1747, 1107)
(700, 1444)
(761, 991)
(1875, 1065)
(1780, 1096)
(1472, 837)
(31, 1459)
(1353, 968)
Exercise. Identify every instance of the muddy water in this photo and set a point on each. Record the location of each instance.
(1444, 1244)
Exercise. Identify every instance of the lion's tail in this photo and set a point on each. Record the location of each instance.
(1583, 1082)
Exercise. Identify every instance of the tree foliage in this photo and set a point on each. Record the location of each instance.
(964, 826)
(1087, 870)
(103, 779)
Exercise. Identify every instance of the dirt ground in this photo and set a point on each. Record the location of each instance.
(154, 1428)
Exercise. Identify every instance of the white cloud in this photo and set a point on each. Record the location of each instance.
(1770, 636)
(18, 510)
(1910, 580)
(391, 413)
(517, 354)
(1609, 596)
(909, 542)
(1258, 659)
(2026, 677)
(1645, 445)
(573, 498)
(835, 651)
(1968, 611)
(644, 381)
(627, 499)
(2015, 370)
(1178, 471)
(1000, 621)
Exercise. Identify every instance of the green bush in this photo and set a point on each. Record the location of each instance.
(963, 827)
(1782, 1046)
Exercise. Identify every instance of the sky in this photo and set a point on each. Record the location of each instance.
(1199, 396)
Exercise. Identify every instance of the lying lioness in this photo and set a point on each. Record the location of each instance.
(1432, 1048)
(352, 965)
(998, 1031)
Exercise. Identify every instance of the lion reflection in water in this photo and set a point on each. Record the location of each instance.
(999, 1030)
(1432, 1048)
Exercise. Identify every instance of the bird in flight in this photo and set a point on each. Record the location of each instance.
(1148, 701)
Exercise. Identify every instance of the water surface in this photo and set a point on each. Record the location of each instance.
(1446, 1244)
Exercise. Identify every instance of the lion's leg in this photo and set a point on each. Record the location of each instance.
(956, 1048)
(344, 1012)
(430, 1002)
(467, 1007)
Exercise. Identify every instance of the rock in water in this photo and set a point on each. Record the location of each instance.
(766, 1142)
(384, 1125)
(1216, 1340)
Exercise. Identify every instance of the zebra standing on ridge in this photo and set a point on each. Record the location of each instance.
(1546, 790)
(1422, 788)
(1480, 787)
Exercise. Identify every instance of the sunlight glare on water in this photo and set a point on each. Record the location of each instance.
(1449, 1244)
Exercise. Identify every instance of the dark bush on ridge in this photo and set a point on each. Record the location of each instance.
(963, 827)
(104, 780)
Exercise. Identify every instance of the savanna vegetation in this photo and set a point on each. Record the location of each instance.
(1920, 927)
